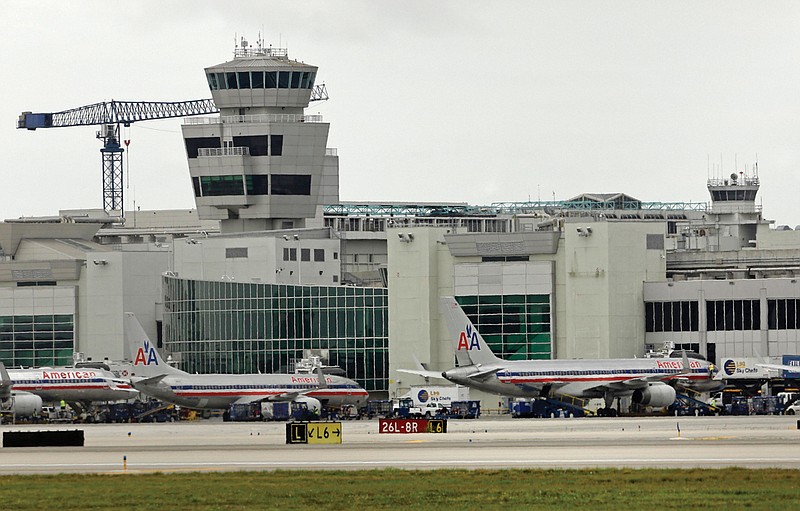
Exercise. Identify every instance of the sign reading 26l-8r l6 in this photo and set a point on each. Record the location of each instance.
(409, 426)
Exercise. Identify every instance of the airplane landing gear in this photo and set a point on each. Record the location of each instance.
(609, 410)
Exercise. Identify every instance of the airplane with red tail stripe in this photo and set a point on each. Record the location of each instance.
(647, 381)
(154, 377)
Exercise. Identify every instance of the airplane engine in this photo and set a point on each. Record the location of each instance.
(656, 395)
(25, 404)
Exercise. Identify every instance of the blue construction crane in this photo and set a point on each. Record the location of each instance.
(110, 115)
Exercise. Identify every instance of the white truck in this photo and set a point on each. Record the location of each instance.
(437, 396)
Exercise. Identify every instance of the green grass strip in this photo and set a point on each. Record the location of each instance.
(707, 489)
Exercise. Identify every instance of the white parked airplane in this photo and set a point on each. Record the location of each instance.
(152, 376)
(646, 380)
(71, 384)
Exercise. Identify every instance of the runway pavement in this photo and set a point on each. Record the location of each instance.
(756, 441)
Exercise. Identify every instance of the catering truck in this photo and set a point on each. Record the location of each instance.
(442, 396)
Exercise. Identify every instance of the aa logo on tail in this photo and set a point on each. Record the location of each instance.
(468, 340)
(146, 355)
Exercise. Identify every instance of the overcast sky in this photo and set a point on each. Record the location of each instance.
(465, 101)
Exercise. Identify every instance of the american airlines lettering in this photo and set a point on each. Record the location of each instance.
(308, 379)
(146, 355)
(68, 375)
(468, 339)
(676, 364)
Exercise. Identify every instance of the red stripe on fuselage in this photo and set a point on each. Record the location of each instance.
(551, 379)
(34, 388)
(231, 393)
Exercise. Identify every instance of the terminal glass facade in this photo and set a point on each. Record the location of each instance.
(231, 327)
(37, 340)
(516, 327)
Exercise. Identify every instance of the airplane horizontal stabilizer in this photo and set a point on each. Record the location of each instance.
(149, 381)
(423, 372)
(486, 372)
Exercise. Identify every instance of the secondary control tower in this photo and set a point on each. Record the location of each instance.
(262, 164)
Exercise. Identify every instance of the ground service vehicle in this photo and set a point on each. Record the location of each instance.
(792, 409)
(241, 412)
(544, 407)
(464, 410)
(349, 412)
(686, 405)
(276, 411)
(379, 408)
(758, 405)
(404, 408)
(440, 395)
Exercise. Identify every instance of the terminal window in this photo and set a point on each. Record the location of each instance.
(276, 145)
(256, 185)
(680, 316)
(291, 184)
(783, 314)
(516, 327)
(257, 144)
(193, 144)
(729, 315)
(221, 327)
(213, 186)
(261, 80)
(37, 340)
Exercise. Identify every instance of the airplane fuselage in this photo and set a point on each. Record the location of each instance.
(579, 378)
(71, 384)
(211, 391)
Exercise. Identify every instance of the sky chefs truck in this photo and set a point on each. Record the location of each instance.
(440, 395)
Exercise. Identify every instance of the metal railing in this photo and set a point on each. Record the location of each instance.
(256, 118)
(223, 151)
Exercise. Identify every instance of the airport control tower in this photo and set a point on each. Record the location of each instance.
(262, 164)
(734, 215)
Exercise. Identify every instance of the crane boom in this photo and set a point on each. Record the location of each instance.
(111, 115)
(116, 112)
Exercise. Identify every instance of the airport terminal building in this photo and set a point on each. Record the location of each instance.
(271, 266)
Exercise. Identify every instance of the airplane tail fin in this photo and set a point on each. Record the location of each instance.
(470, 348)
(146, 361)
(323, 383)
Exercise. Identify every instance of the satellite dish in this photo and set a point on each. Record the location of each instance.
(734, 176)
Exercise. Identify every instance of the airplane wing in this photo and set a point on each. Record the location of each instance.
(780, 367)
(630, 383)
(624, 386)
(287, 396)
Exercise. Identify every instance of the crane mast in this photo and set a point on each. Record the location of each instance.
(110, 116)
